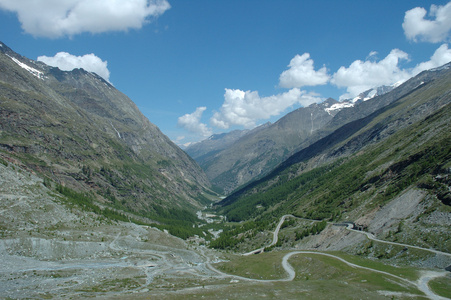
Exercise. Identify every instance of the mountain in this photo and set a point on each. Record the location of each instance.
(388, 171)
(258, 151)
(364, 96)
(91, 191)
(80, 133)
(228, 169)
(214, 144)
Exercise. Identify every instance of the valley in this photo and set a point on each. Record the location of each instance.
(76, 254)
(95, 201)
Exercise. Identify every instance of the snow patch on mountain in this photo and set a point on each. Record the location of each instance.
(365, 96)
(339, 106)
(444, 67)
(33, 71)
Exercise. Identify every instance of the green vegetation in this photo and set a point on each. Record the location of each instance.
(320, 275)
(178, 222)
(3, 162)
(315, 229)
(441, 286)
(264, 266)
(379, 172)
(229, 238)
(86, 202)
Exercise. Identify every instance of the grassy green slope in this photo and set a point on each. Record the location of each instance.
(363, 167)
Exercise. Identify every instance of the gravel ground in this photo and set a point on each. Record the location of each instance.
(48, 249)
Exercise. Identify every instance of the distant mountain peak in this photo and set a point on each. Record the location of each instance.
(364, 96)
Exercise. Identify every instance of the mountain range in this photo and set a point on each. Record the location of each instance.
(387, 169)
(266, 146)
(95, 201)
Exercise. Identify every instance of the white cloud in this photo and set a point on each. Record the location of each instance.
(57, 18)
(302, 73)
(246, 108)
(363, 75)
(192, 123)
(68, 62)
(440, 57)
(433, 30)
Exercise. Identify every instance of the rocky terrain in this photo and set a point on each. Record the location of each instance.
(49, 248)
(52, 249)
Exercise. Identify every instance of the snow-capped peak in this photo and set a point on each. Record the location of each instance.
(365, 96)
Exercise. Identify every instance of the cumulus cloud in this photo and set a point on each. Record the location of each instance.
(436, 29)
(363, 75)
(245, 108)
(440, 57)
(302, 73)
(68, 62)
(57, 18)
(192, 123)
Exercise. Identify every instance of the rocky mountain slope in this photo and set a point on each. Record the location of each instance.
(388, 171)
(214, 144)
(268, 145)
(228, 169)
(77, 131)
(261, 149)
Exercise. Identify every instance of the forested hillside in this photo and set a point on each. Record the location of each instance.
(364, 166)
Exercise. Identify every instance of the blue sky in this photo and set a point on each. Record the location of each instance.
(200, 67)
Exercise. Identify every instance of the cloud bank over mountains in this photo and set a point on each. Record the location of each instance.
(302, 73)
(246, 108)
(192, 122)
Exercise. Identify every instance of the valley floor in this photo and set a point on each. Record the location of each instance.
(51, 250)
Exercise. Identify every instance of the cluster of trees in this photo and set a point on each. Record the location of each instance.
(86, 202)
(229, 238)
(246, 207)
(315, 229)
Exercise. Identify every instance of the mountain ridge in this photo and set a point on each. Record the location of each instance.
(340, 113)
(417, 106)
(258, 151)
(76, 129)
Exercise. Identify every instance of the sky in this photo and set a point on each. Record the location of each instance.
(195, 68)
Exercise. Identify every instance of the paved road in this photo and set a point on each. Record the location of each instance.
(421, 283)
(291, 272)
(275, 237)
(372, 237)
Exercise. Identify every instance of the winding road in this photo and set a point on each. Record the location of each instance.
(373, 238)
(421, 283)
